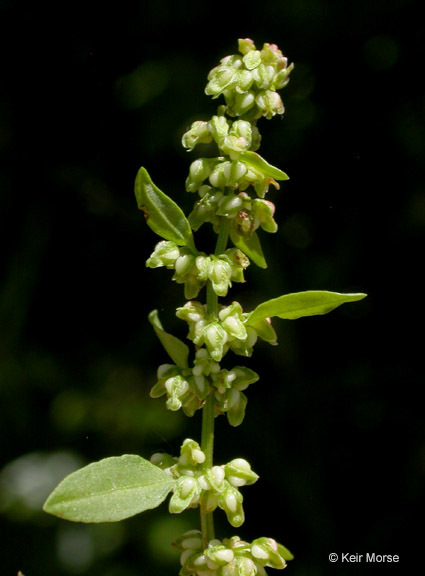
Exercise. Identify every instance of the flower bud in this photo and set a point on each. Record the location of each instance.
(203, 265)
(186, 492)
(236, 406)
(199, 170)
(215, 477)
(244, 102)
(219, 128)
(265, 551)
(217, 177)
(245, 45)
(263, 76)
(229, 205)
(220, 274)
(282, 78)
(164, 254)
(245, 81)
(191, 312)
(220, 78)
(242, 129)
(218, 554)
(263, 211)
(239, 473)
(234, 327)
(197, 134)
(176, 388)
(191, 453)
(231, 502)
(252, 59)
(270, 103)
(215, 337)
(183, 264)
(238, 262)
(164, 372)
(211, 501)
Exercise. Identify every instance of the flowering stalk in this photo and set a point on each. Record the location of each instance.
(231, 189)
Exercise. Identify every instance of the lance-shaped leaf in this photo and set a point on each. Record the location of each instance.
(258, 162)
(292, 306)
(176, 349)
(109, 490)
(250, 245)
(162, 214)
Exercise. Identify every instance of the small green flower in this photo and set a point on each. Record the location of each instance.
(199, 133)
(214, 336)
(164, 254)
(199, 171)
(186, 493)
(265, 551)
(231, 502)
(263, 212)
(239, 473)
(232, 321)
(191, 454)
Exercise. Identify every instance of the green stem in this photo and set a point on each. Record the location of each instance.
(223, 236)
(207, 447)
(207, 439)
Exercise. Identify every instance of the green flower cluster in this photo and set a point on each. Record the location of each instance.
(215, 487)
(231, 330)
(232, 138)
(249, 80)
(195, 269)
(187, 388)
(246, 213)
(225, 174)
(230, 556)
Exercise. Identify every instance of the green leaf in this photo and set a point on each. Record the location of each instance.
(162, 214)
(176, 349)
(258, 162)
(292, 306)
(250, 245)
(109, 490)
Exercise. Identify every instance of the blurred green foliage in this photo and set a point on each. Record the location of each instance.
(89, 93)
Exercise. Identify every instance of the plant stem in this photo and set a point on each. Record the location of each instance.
(207, 439)
(223, 236)
(207, 446)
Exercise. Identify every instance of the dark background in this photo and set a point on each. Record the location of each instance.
(335, 426)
